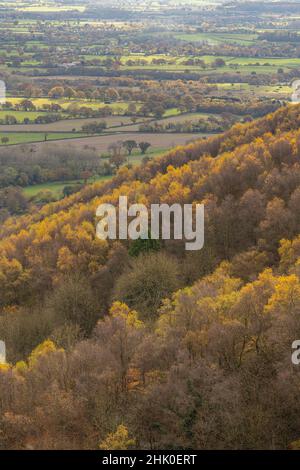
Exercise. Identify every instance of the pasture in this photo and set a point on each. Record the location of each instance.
(31, 137)
(218, 38)
(56, 188)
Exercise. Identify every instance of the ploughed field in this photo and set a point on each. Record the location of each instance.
(102, 142)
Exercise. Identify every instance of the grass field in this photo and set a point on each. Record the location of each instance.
(56, 188)
(137, 157)
(276, 62)
(28, 137)
(174, 63)
(21, 115)
(276, 91)
(65, 103)
(218, 38)
(239, 64)
(50, 8)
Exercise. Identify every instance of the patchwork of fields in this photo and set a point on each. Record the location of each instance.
(88, 81)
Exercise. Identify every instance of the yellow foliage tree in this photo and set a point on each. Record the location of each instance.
(121, 310)
(41, 350)
(118, 440)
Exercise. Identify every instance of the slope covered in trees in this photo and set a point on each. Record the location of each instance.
(100, 340)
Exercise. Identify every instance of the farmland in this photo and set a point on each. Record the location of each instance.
(102, 143)
(95, 82)
(29, 137)
(171, 323)
(219, 38)
(56, 189)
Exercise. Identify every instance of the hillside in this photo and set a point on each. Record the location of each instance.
(98, 338)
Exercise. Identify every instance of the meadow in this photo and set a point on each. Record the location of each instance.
(56, 188)
(117, 107)
(15, 138)
(218, 38)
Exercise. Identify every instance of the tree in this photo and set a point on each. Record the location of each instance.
(86, 175)
(41, 350)
(131, 109)
(144, 147)
(112, 94)
(69, 92)
(56, 92)
(149, 279)
(10, 119)
(188, 103)
(129, 145)
(219, 62)
(27, 105)
(73, 301)
(119, 440)
(143, 246)
(117, 160)
(158, 111)
(94, 127)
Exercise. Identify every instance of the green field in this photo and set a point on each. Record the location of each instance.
(232, 64)
(137, 157)
(31, 137)
(218, 38)
(258, 90)
(50, 8)
(56, 188)
(65, 103)
(21, 115)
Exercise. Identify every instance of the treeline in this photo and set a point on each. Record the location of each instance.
(279, 36)
(53, 112)
(10, 119)
(126, 324)
(12, 202)
(209, 125)
(255, 108)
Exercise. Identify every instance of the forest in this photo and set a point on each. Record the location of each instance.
(141, 344)
(101, 334)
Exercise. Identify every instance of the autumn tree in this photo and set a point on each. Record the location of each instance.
(150, 278)
(119, 440)
(144, 147)
(130, 145)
